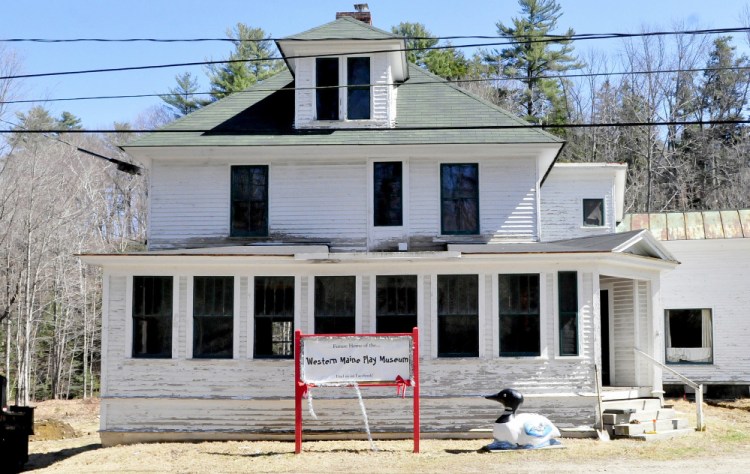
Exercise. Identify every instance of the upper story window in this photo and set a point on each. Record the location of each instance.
(388, 193)
(396, 307)
(152, 316)
(593, 212)
(329, 97)
(335, 304)
(274, 317)
(458, 315)
(519, 315)
(689, 336)
(213, 316)
(249, 195)
(459, 196)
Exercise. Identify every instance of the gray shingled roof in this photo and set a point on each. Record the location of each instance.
(263, 115)
(342, 29)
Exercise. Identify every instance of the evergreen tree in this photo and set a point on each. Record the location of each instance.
(534, 56)
(446, 62)
(68, 121)
(182, 99)
(249, 64)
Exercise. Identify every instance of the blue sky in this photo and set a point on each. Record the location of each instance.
(192, 19)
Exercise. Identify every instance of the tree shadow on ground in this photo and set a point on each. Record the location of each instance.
(42, 460)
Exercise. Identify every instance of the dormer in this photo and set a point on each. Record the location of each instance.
(345, 74)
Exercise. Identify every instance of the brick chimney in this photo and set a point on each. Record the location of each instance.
(362, 13)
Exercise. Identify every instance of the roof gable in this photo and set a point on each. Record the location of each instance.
(344, 28)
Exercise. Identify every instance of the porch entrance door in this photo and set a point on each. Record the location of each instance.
(604, 336)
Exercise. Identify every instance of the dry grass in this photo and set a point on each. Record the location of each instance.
(724, 447)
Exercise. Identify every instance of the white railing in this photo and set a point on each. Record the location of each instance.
(701, 425)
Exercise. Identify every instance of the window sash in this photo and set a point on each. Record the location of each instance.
(689, 334)
(458, 315)
(274, 317)
(213, 317)
(519, 314)
(358, 88)
(152, 316)
(567, 289)
(249, 196)
(388, 193)
(396, 303)
(593, 212)
(459, 195)
(335, 304)
(327, 91)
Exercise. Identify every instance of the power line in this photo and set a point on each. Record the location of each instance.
(123, 166)
(437, 47)
(422, 128)
(548, 38)
(408, 83)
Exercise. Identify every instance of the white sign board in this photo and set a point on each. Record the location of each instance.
(338, 359)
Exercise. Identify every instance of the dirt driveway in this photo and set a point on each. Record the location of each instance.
(725, 447)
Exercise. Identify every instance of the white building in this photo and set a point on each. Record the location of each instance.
(356, 193)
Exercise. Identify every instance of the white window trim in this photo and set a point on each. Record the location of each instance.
(343, 91)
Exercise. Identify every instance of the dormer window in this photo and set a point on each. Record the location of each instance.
(342, 103)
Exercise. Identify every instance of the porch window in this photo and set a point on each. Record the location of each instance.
(327, 92)
(689, 336)
(519, 315)
(459, 195)
(458, 315)
(593, 212)
(152, 316)
(274, 317)
(567, 288)
(249, 213)
(335, 304)
(387, 193)
(396, 303)
(213, 317)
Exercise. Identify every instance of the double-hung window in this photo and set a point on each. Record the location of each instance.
(152, 316)
(213, 317)
(519, 315)
(458, 315)
(356, 93)
(459, 196)
(335, 304)
(388, 193)
(396, 303)
(274, 317)
(249, 207)
(567, 287)
(689, 336)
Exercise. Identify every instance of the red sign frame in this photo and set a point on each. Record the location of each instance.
(300, 387)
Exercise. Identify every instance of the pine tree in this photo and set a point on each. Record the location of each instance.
(446, 62)
(249, 62)
(182, 99)
(535, 54)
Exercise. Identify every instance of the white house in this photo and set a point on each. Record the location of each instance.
(354, 192)
(706, 299)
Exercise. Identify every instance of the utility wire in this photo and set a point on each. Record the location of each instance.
(407, 83)
(550, 38)
(437, 47)
(437, 127)
(123, 166)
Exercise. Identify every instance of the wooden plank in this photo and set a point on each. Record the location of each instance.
(676, 226)
(730, 220)
(658, 226)
(639, 221)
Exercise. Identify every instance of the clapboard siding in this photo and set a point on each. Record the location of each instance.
(714, 275)
(561, 203)
(184, 394)
(305, 97)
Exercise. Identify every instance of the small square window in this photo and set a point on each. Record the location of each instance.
(593, 212)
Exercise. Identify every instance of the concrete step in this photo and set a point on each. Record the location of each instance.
(663, 435)
(638, 404)
(629, 430)
(616, 417)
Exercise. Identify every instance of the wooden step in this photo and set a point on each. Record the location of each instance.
(630, 430)
(616, 417)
